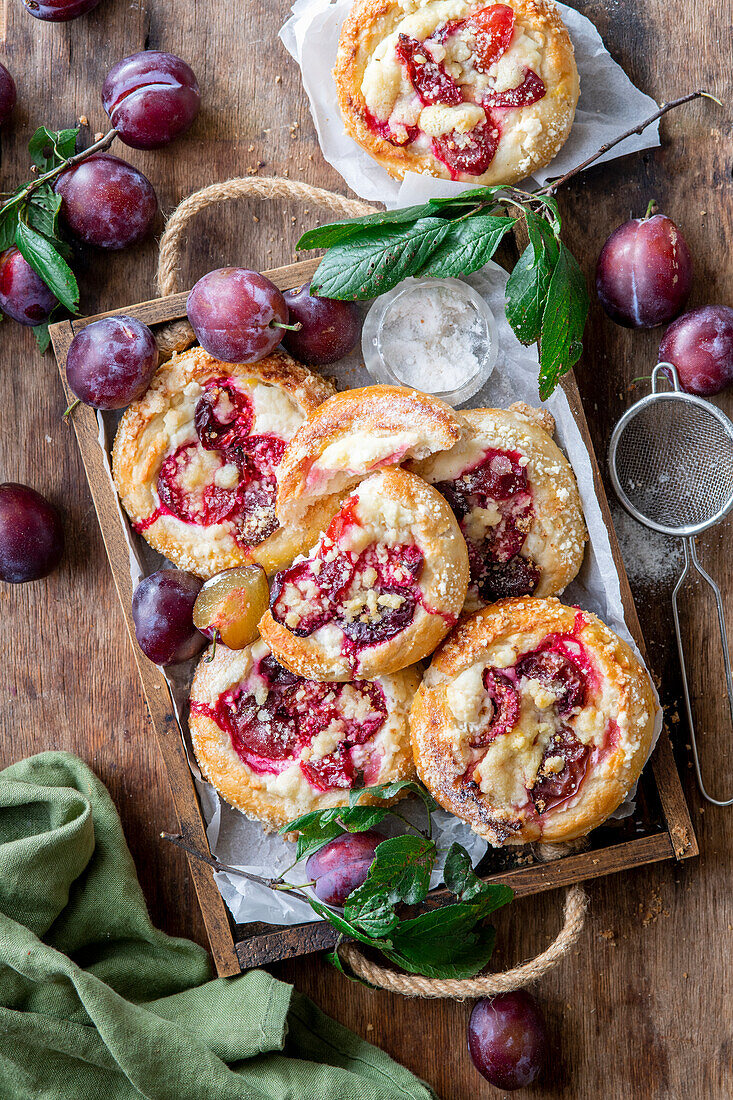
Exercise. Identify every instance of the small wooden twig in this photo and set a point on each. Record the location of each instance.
(270, 883)
(552, 187)
(34, 184)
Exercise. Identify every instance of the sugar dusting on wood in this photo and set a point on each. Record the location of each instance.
(650, 558)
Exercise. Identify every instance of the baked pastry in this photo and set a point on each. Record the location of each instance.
(355, 433)
(378, 591)
(457, 88)
(515, 497)
(277, 746)
(533, 722)
(194, 460)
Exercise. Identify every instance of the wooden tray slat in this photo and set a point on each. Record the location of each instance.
(678, 841)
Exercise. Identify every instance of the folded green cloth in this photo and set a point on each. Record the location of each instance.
(97, 1004)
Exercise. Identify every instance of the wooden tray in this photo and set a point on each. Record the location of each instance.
(659, 829)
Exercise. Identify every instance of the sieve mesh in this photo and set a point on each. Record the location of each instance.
(674, 462)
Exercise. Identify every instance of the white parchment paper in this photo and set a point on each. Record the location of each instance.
(609, 105)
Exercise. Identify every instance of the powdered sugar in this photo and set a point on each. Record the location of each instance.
(434, 337)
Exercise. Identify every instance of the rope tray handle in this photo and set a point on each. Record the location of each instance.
(178, 336)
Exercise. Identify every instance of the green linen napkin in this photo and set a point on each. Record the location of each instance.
(97, 1004)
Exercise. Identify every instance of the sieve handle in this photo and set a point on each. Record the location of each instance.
(692, 558)
(667, 371)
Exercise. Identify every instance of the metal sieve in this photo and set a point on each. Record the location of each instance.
(671, 463)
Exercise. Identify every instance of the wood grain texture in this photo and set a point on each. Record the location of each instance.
(643, 1007)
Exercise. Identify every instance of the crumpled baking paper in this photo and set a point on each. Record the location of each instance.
(609, 105)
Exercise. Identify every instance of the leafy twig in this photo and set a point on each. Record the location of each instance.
(546, 295)
(260, 880)
(29, 216)
(452, 941)
(65, 162)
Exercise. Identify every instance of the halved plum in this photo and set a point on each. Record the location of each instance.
(531, 90)
(267, 731)
(559, 674)
(468, 154)
(427, 76)
(222, 410)
(493, 29)
(311, 616)
(499, 476)
(334, 770)
(212, 505)
(502, 580)
(231, 605)
(391, 620)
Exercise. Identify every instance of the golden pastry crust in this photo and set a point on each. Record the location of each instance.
(555, 533)
(277, 797)
(391, 509)
(489, 784)
(281, 393)
(356, 433)
(375, 93)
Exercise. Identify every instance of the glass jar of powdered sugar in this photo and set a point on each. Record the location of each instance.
(436, 335)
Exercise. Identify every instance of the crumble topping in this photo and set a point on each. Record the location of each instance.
(445, 80)
(225, 441)
(295, 734)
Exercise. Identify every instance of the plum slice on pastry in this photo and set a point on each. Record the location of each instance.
(277, 745)
(194, 460)
(516, 500)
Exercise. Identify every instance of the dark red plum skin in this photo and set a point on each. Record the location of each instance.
(106, 202)
(331, 328)
(31, 534)
(507, 1039)
(235, 314)
(644, 272)
(342, 865)
(700, 345)
(111, 362)
(8, 94)
(162, 611)
(151, 98)
(58, 11)
(24, 297)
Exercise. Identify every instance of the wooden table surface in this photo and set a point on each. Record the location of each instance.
(644, 1007)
